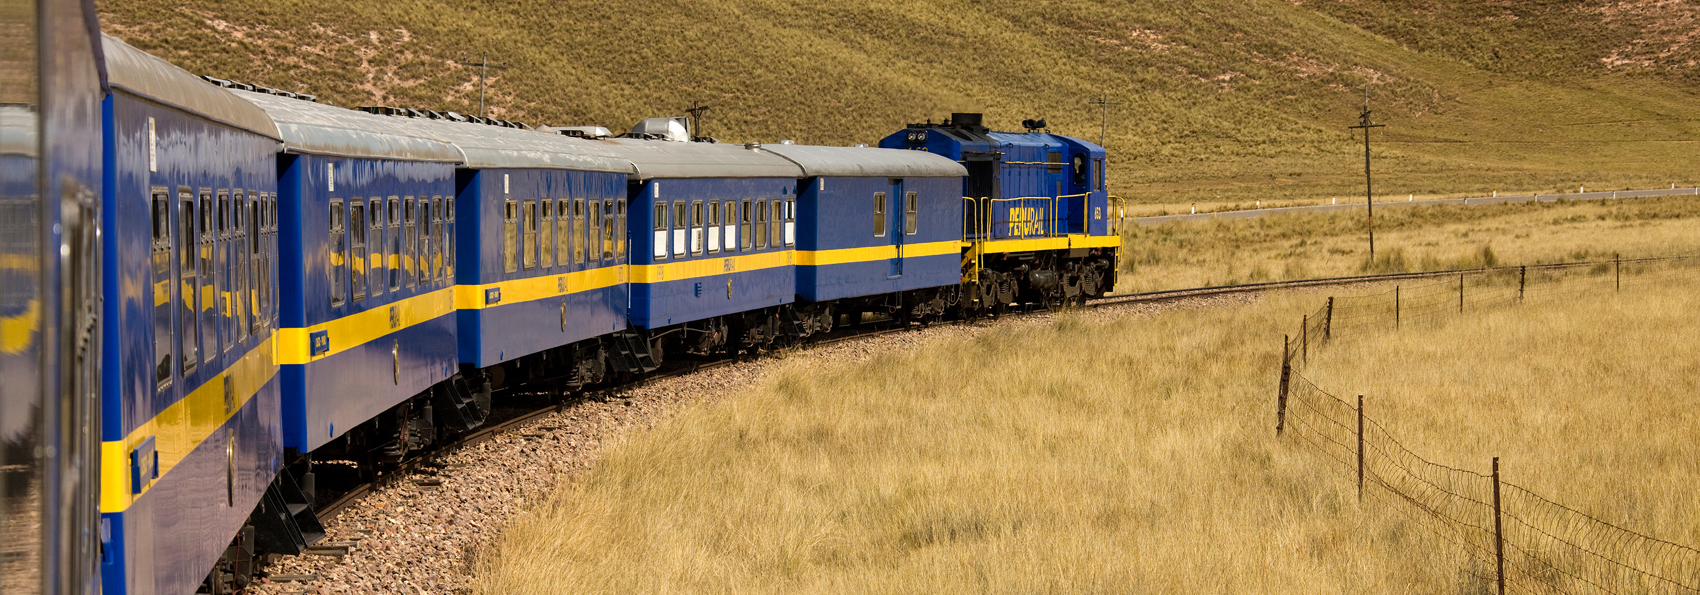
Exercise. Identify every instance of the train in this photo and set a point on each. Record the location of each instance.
(211, 287)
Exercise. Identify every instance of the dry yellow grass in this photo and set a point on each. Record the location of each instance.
(1301, 246)
(1130, 455)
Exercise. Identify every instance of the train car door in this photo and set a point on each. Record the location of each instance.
(894, 213)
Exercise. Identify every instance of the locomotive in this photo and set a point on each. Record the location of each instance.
(223, 285)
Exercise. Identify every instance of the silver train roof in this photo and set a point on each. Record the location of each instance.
(484, 147)
(318, 129)
(867, 162)
(142, 74)
(660, 159)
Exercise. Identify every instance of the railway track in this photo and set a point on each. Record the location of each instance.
(868, 329)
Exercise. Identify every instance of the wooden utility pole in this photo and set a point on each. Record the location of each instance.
(696, 111)
(484, 67)
(1103, 104)
(1369, 194)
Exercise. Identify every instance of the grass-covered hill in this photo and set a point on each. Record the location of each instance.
(1221, 98)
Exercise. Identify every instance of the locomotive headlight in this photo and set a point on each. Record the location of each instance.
(918, 137)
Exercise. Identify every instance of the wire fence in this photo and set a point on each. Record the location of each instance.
(1436, 297)
(1498, 536)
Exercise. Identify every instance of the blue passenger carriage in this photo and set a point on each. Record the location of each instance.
(541, 268)
(367, 338)
(1036, 211)
(713, 240)
(876, 232)
(190, 399)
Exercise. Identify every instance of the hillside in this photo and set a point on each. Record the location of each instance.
(1223, 100)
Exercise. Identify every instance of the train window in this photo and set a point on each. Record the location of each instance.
(659, 251)
(338, 266)
(545, 233)
(761, 224)
(442, 243)
(713, 226)
(190, 288)
(910, 205)
(357, 229)
(238, 265)
(375, 256)
(528, 254)
(256, 229)
(510, 236)
(744, 225)
(271, 253)
(731, 224)
(409, 241)
(1100, 170)
(593, 214)
(427, 247)
(221, 260)
(777, 229)
(790, 221)
(393, 249)
(579, 231)
(679, 224)
(162, 336)
(879, 214)
(449, 233)
(620, 228)
(208, 299)
(1054, 162)
(563, 230)
(696, 228)
(608, 244)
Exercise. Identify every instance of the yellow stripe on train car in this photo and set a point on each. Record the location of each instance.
(183, 425)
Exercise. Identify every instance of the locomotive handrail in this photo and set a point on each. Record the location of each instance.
(1047, 223)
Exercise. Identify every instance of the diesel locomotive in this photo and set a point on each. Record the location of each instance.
(210, 287)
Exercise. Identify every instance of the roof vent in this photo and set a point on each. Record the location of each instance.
(753, 146)
(860, 145)
(787, 142)
(229, 84)
(672, 129)
(591, 132)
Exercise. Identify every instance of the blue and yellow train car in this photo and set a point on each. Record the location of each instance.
(368, 317)
(1036, 212)
(876, 231)
(713, 242)
(190, 396)
(541, 275)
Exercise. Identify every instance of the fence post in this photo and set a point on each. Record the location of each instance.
(1522, 277)
(1286, 374)
(1395, 306)
(1618, 260)
(1498, 530)
(1360, 448)
(1328, 321)
(1460, 293)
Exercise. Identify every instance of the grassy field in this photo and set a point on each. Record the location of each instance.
(1223, 101)
(1282, 247)
(1145, 463)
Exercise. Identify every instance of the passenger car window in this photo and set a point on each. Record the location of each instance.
(879, 214)
(510, 236)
